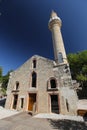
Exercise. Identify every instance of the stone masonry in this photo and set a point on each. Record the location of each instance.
(42, 85)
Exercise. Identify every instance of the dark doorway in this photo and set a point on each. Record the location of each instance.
(32, 100)
(15, 101)
(54, 104)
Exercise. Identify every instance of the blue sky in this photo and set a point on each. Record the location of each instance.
(24, 29)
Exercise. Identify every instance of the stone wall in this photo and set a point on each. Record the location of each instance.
(45, 70)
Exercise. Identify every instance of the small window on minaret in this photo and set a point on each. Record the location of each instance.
(60, 57)
(34, 63)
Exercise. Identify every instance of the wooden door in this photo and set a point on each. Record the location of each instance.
(32, 100)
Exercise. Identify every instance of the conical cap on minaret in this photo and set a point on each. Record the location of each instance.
(53, 14)
(54, 19)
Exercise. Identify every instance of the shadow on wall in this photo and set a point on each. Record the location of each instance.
(68, 125)
(2, 102)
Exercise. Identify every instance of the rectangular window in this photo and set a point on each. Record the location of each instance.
(34, 63)
(34, 79)
(22, 102)
(67, 105)
(17, 85)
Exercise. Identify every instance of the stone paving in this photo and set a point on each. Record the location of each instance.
(59, 117)
(6, 113)
(24, 121)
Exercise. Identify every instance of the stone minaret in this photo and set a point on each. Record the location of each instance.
(58, 45)
(68, 97)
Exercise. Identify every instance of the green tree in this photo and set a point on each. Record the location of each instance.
(78, 66)
(1, 75)
(4, 81)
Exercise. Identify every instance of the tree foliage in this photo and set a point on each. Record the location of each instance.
(0, 75)
(78, 66)
(3, 81)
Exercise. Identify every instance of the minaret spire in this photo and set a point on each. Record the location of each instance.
(53, 14)
(55, 24)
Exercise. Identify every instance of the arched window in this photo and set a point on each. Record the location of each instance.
(34, 63)
(34, 79)
(17, 85)
(53, 83)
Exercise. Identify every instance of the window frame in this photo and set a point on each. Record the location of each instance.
(34, 78)
(49, 88)
(34, 63)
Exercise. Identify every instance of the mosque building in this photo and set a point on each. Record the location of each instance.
(42, 85)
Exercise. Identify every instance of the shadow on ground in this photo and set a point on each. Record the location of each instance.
(67, 125)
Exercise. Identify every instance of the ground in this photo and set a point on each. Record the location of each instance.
(24, 121)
